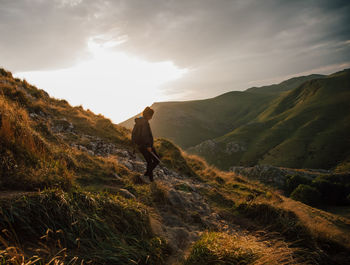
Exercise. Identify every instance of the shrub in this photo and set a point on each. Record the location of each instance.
(306, 194)
(333, 188)
(292, 182)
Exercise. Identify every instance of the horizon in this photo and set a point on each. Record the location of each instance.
(103, 56)
(194, 99)
(170, 101)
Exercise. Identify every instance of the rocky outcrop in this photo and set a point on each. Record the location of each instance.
(235, 147)
(212, 146)
(205, 147)
(275, 176)
(62, 125)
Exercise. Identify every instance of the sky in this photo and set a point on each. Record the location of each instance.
(116, 57)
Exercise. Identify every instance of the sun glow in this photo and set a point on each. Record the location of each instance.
(110, 82)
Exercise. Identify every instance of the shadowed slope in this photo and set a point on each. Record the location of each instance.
(304, 128)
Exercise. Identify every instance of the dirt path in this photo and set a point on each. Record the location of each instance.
(186, 215)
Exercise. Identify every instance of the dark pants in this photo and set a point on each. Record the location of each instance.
(152, 162)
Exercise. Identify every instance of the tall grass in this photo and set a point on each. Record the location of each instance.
(102, 229)
(221, 248)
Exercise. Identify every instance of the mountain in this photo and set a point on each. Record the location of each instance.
(71, 193)
(306, 127)
(285, 85)
(189, 123)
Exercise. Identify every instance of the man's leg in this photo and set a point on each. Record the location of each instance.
(148, 157)
(154, 163)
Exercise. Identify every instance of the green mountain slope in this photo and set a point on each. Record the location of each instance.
(306, 128)
(189, 123)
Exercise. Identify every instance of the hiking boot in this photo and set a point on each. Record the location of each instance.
(145, 179)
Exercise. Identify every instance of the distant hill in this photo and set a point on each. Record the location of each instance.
(307, 127)
(301, 122)
(189, 123)
(285, 85)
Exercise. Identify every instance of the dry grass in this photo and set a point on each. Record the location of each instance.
(221, 248)
(59, 227)
(16, 129)
(322, 224)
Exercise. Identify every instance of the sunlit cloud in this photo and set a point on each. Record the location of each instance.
(136, 52)
(112, 83)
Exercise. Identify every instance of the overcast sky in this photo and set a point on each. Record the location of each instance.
(206, 47)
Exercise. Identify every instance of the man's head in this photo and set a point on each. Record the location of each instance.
(148, 113)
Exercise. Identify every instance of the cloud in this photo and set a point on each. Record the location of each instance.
(38, 35)
(226, 43)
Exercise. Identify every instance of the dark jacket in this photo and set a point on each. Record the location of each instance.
(146, 133)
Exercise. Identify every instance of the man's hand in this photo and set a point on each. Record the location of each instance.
(149, 149)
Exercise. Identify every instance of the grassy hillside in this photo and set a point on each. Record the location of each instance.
(71, 194)
(308, 127)
(189, 123)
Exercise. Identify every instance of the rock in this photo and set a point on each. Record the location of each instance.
(122, 153)
(62, 125)
(171, 220)
(33, 115)
(208, 146)
(127, 194)
(165, 170)
(194, 236)
(138, 166)
(82, 148)
(234, 147)
(176, 199)
(274, 176)
(179, 236)
(126, 163)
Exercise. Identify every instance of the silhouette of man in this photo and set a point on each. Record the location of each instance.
(145, 142)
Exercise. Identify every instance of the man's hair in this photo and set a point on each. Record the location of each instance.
(147, 112)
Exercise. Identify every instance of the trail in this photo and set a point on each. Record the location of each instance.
(186, 215)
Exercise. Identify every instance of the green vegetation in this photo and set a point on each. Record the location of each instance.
(324, 190)
(192, 122)
(306, 127)
(306, 194)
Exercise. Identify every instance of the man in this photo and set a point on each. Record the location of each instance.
(143, 138)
